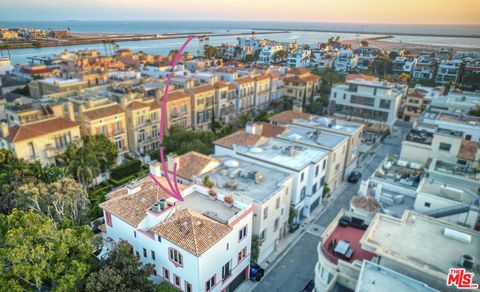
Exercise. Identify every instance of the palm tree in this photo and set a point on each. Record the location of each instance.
(84, 165)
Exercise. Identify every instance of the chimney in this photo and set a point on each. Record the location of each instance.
(133, 187)
(5, 130)
(70, 113)
(172, 158)
(155, 168)
(254, 128)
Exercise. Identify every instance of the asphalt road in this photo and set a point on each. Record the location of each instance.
(296, 267)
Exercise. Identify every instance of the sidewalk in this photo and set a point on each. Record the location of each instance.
(290, 240)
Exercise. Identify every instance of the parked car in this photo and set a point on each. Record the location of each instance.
(310, 287)
(354, 177)
(256, 272)
(353, 221)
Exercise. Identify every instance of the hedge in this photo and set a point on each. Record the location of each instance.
(126, 169)
(122, 181)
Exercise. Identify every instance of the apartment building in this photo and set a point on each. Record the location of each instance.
(202, 101)
(345, 61)
(276, 87)
(262, 92)
(299, 58)
(399, 245)
(456, 101)
(41, 140)
(403, 65)
(301, 85)
(41, 87)
(269, 54)
(108, 120)
(418, 100)
(367, 100)
(269, 190)
(225, 100)
(245, 94)
(334, 145)
(196, 245)
(307, 165)
(448, 71)
(22, 113)
(178, 109)
(468, 125)
(425, 68)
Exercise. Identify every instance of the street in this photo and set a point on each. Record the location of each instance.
(296, 267)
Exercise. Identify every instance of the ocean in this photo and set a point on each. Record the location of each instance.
(164, 46)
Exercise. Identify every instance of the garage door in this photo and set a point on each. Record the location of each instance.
(314, 204)
(237, 281)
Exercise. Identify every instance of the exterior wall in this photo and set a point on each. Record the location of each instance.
(225, 100)
(262, 94)
(335, 165)
(417, 152)
(245, 97)
(45, 147)
(179, 113)
(143, 130)
(202, 107)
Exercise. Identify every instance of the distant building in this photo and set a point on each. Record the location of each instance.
(448, 71)
(425, 68)
(418, 100)
(456, 101)
(268, 54)
(346, 61)
(41, 87)
(301, 85)
(299, 58)
(202, 99)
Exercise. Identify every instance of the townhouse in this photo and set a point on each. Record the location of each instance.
(202, 106)
(418, 100)
(403, 65)
(269, 54)
(245, 94)
(225, 100)
(425, 68)
(346, 61)
(301, 85)
(367, 100)
(299, 58)
(178, 109)
(43, 140)
(468, 125)
(198, 244)
(262, 92)
(448, 71)
(456, 101)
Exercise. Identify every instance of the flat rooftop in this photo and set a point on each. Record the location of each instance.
(254, 181)
(283, 153)
(401, 172)
(454, 169)
(334, 125)
(60, 81)
(419, 136)
(316, 138)
(442, 190)
(452, 118)
(201, 204)
(375, 278)
(419, 241)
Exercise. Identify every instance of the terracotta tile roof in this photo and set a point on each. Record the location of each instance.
(132, 208)
(223, 84)
(298, 71)
(103, 112)
(240, 138)
(227, 70)
(177, 94)
(261, 77)
(366, 203)
(191, 231)
(287, 117)
(269, 130)
(137, 105)
(37, 129)
(418, 93)
(244, 80)
(360, 76)
(155, 105)
(468, 150)
(202, 89)
(193, 163)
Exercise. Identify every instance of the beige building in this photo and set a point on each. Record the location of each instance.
(41, 140)
(301, 85)
(225, 99)
(262, 92)
(20, 114)
(245, 94)
(41, 87)
(202, 99)
(108, 120)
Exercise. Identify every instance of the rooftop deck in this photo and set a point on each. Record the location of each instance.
(339, 126)
(404, 173)
(312, 137)
(201, 204)
(351, 235)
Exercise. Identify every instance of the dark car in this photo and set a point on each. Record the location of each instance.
(354, 177)
(310, 287)
(256, 272)
(345, 221)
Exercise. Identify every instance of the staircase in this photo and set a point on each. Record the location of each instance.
(448, 211)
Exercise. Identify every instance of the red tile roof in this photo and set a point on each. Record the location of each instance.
(37, 129)
(103, 112)
(202, 89)
(468, 150)
(137, 105)
(287, 117)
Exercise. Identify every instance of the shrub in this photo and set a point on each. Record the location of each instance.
(126, 169)
(228, 199)
(122, 181)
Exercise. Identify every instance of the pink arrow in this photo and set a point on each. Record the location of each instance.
(174, 190)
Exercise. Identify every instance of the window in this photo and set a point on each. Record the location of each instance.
(356, 99)
(317, 168)
(31, 149)
(227, 270)
(445, 146)
(242, 254)
(175, 256)
(385, 103)
(314, 189)
(154, 270)
(134, 234)
(210, 283)
(242, 233)
(427, 204)
(144, 253)
(468, 137)
(322, 181)
(188, 287)
(176, 280)
(277, 203)
(152, 254)
(324, 164)
(159, 238)
(302, 193)
(337, 167)
(265, 213)
(462, 162)
(166, 274)
(108, 218)
(263, 234)
(302, 176)
(275, 225)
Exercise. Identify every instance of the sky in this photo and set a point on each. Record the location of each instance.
(341, 11)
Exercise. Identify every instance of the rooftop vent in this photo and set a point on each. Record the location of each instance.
(457, 235)
(133, 187)
(231, 163)
(256, 150)
(467, 261)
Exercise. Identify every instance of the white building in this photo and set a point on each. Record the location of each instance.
(404, 65)
(456, 102)
(424, 69)
(299, 58)
(468, 125)
(198, 244)
(5, 66)
(345, 61)
(268, 54)
(367, 100)
(448, 71)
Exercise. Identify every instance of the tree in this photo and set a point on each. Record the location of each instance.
(82, 163)
(475, 111)
(382, 65)
(326, 191)
(403, 78)
(60, 200)
(106, 151)
(241, 120)
(209, 52)
(181, 141)
(256, 244)
(166, 287)
(208, 182)
(121, 271)
(38, 253)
